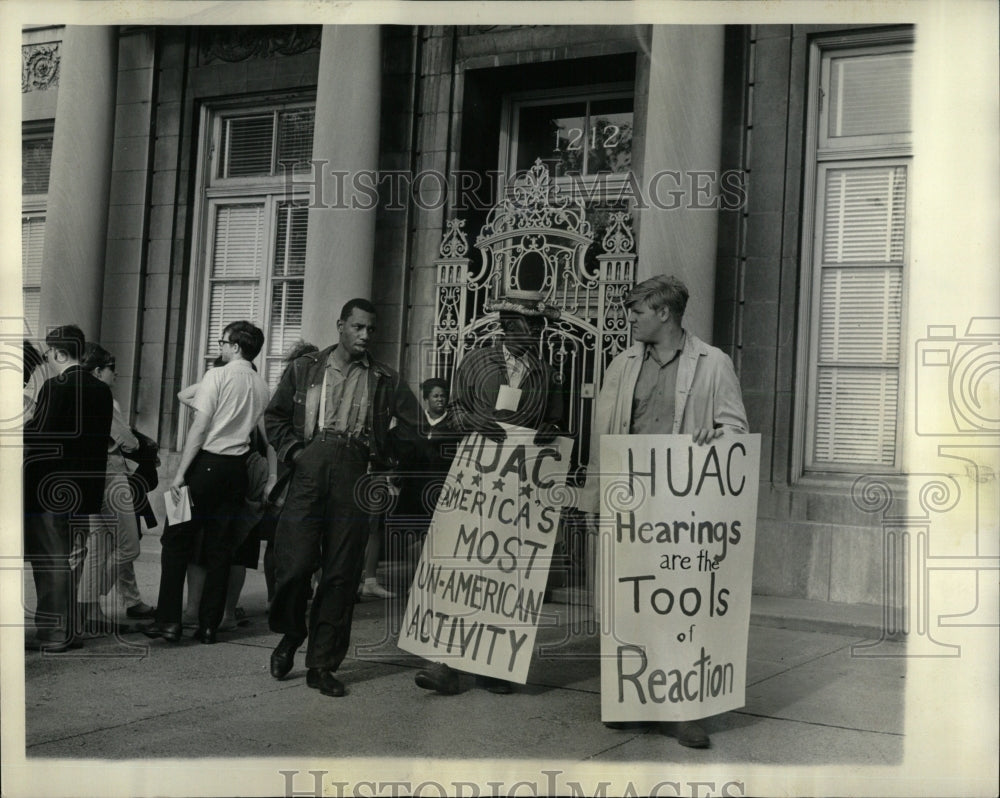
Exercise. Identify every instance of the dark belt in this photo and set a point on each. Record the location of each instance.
(351, 439)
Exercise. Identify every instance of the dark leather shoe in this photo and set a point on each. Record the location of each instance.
(438, 677)
(498, 686)
(205, 635)
(691, 735)
(141, 612)
(168, 631)
(323, 680)
(283, 656)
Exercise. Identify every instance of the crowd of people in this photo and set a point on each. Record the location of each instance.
(292, 468)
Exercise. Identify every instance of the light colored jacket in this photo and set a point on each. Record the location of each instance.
(707, 394)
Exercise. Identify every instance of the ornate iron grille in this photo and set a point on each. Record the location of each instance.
(537, 238)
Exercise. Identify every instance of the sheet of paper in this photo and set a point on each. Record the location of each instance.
(508, 398)
(180, 511)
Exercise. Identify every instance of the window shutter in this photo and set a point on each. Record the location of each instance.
(870, 94)
(237, 265)
(856, 416)
(864, 215)
(36, 162)
(32, 239)
(285, 316)
(860, 315)
(249, 146)
(295, 136)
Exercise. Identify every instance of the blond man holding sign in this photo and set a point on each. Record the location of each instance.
(668, 382)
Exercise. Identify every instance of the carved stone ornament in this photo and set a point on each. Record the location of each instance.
(242, 42)
(39, 66)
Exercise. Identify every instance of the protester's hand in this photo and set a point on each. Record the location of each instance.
(272, 480)
(175, 487)
(493, 431)
(707, 435)
(546, 433)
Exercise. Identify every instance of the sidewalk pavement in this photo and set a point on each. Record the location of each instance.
(809, 702)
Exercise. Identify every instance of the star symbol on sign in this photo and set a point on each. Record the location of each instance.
(477, 479)
(526, 491)
(460, 476)
(498, 484)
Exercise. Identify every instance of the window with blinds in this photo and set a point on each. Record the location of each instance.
(859, 256)
(32, 238)
(255, 241)
(36, 162)
(264, 144)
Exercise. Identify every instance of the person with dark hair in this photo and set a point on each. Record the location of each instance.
(329, 417)
(508, 383)
(668, 382)
(65, 457)
(426, 466)
(260, 466)
(113, 543)
(228, 405)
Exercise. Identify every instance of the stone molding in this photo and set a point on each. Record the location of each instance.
(244, 42)
(40, 66)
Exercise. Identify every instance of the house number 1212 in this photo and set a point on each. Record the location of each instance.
(574, 137)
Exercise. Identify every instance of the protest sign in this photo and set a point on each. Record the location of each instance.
(676, 587)
(480, 582)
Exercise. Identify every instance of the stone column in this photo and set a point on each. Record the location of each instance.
(677, 233)
(72, 286)
(341, 242)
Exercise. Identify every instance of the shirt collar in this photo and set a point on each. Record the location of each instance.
(650, 352)
(511, 358)
(338, 358)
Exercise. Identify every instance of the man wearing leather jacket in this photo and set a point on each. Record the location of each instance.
(330, 418)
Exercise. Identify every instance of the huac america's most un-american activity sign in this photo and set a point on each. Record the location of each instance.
(677, 530)
(480, 582)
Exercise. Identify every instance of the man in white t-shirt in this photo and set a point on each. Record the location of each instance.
(229, 403)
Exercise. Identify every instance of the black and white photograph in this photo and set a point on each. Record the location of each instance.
(500, 398)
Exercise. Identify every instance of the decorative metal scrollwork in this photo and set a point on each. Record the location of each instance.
(455, 243)
(536, 238)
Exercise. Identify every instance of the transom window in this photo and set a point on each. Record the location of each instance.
(583, 138)
(263, 144)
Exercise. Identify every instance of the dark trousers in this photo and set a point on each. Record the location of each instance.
(48, 542)
(218, 486)
(321, 525)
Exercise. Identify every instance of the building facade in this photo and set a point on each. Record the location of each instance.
(177, 178)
